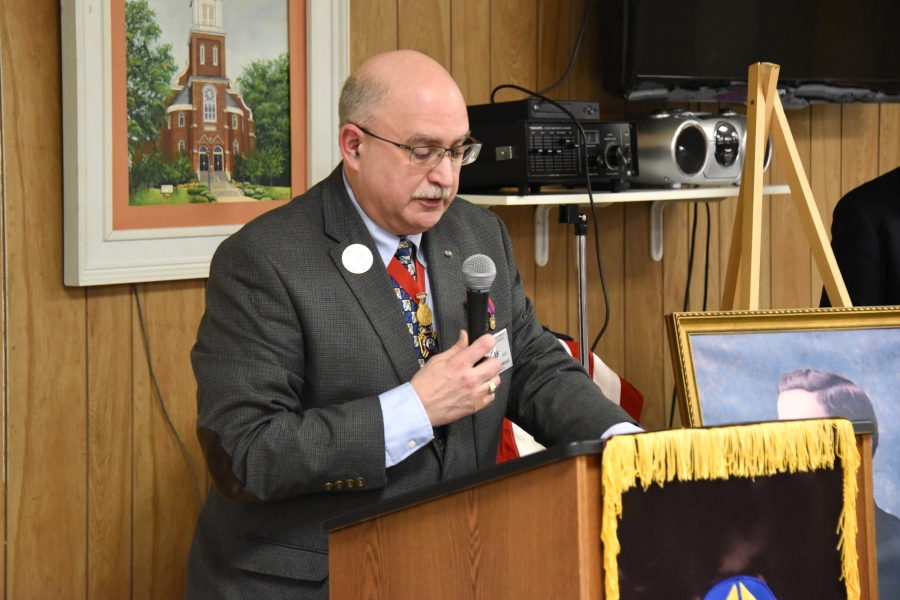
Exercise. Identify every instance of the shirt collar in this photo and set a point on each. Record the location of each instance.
(385, 242)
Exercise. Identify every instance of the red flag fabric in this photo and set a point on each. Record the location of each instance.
(515, 442)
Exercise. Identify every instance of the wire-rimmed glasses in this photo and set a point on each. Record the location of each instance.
(428, 157)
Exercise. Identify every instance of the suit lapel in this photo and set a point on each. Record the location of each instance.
(372, 289)
(447, 285)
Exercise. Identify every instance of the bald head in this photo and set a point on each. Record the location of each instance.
(392, 77)
(395, 102)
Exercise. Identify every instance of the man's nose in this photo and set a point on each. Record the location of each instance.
(444, 172)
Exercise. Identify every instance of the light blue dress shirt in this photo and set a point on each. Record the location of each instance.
(406, 424)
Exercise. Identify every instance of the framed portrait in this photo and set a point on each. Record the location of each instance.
(185, 119)
(738, 367)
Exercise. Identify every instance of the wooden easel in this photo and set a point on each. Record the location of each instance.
(742, 277)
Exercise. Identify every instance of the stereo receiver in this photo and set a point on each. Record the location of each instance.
(527, 144)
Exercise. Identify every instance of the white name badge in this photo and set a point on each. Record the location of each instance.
(501, 350)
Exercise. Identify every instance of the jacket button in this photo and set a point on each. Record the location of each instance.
(328, 486)
(360, 482)
(350, 483)
(339, 484)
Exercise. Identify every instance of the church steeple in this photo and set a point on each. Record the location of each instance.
(206, 16)
(207, 39)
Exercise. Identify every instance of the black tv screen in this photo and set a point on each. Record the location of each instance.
(700, 50)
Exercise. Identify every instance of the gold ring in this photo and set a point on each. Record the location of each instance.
(491, 387)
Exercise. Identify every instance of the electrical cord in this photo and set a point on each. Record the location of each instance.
(706, 262)
(687, 290)
(159, 396)
(583, 142)
(541, 95)
(584, 22)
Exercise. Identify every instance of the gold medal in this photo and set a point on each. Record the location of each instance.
(492, 322)
(423, 313)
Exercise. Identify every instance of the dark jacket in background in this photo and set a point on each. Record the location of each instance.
(865, 236)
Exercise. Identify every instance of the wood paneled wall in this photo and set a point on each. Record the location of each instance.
(99, 501)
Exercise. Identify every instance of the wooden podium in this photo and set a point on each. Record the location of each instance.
(530, 528)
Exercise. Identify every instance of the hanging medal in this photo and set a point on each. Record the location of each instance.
(423, 313)
(492, 320)
(415, 289)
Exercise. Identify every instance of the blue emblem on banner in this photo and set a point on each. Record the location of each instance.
(740, 588)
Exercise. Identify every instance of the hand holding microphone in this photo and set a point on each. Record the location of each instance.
(460, 381)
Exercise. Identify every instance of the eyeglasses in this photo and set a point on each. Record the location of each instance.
(428, 157)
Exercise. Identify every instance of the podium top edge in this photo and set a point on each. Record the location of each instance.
(469, 480)
(507, 469)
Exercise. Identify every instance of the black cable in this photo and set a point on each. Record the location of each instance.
(159, 397)
(706, 263)
(687, 287)
(587, 174)
(574, 51)
(690, 270)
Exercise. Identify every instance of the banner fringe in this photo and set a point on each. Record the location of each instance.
(747, 451)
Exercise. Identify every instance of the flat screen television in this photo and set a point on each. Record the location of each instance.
(700, 50)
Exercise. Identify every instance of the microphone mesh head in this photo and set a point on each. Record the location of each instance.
(479, 272)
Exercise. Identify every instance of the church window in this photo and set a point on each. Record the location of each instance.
(202, 54)
(236, 148)
(169, 121)
(181, 145)
(234, 121)
(181, 118)
(216, 54)
(209, 103)
(207, 13)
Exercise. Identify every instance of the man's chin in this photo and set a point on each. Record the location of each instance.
(430, 213)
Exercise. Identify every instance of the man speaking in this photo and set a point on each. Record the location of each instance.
(332, 365)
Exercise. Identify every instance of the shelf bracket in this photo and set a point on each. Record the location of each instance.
(542, 231)
(657, 208)
(542, 234)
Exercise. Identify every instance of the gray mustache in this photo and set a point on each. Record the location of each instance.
(432, 192)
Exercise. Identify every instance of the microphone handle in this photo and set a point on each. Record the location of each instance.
(477, 302)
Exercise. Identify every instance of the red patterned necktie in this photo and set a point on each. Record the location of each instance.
(405, 271)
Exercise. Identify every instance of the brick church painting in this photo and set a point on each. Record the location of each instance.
(208, 101)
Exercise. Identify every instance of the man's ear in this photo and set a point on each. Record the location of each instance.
(350, 140)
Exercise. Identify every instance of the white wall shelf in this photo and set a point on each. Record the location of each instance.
(658, 197)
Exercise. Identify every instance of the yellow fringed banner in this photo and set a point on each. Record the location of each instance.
(747, 451)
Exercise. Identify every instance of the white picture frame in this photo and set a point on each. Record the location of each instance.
(94, 253)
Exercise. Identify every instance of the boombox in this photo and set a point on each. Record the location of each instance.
(676, 147)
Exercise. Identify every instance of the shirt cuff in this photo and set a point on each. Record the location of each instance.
(620, 429)
(406, 424)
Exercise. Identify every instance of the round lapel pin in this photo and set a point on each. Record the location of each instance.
(357, 258)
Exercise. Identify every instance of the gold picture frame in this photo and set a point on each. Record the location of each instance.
(682, 327)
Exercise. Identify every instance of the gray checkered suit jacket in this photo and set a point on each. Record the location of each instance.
(290, 358)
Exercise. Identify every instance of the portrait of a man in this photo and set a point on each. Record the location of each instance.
(807, 394)
(766, 375)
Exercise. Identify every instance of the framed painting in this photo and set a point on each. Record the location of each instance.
(738, 367)
(184, 119)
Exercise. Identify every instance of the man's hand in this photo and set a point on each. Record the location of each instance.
(452, 386)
